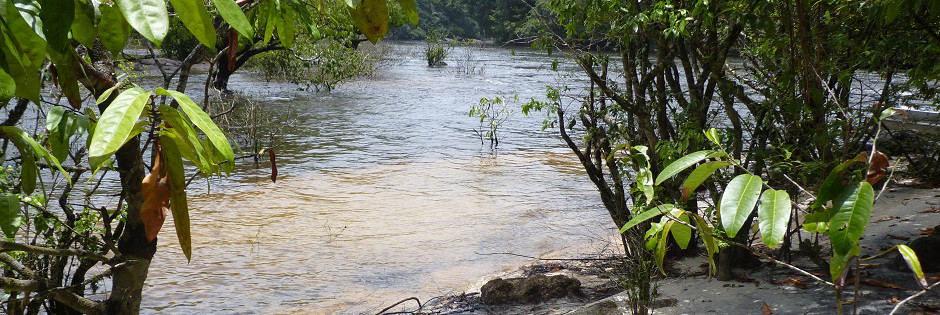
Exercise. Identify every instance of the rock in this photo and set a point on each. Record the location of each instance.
(530, 290)
(928, 253)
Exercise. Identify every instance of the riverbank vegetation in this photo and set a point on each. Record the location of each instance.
(70, 122)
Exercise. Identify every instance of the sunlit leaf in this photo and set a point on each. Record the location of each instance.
(147, 17)
(371, 17)
(115, 125)
(203, 122)
(681, 164)
(680, 232)
(738, 201)
(234, 16)
(910, 257)
(196, 19)
(773, 215)
(646, 215)
(699, 175)
(853, 209)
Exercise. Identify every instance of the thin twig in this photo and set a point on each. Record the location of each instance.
(908, 299)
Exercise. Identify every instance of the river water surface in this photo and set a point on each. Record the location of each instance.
(385, 192)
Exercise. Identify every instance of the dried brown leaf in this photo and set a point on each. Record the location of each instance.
(156, 192)
(765, 309)
(877, 167)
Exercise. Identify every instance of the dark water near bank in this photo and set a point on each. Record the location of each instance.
(385, 192)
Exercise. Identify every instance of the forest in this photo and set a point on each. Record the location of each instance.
(470, 157)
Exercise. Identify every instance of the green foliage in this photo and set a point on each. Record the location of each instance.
(10, 216)
(738, 201)
(773, 215)
(437, 49)
(492, 114)
(853, 209)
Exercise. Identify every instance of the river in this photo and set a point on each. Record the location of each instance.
(384, 192)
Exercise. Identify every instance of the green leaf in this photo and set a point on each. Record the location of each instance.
(203, 122)
(83, 26)
(21, 19)
(680, 232)
(712, 135)
(738, 201)
(113, 29)
(57, 16)
(115, 125)
(68, 80)
(834, 182)
(888, 112)
(178, 204)
(23, 72)
(411, 11)
(7, 87)
(148, 17)
(839, 262)
(853, 209)
(660, 252)
(25, 144)
(773, 215)
(234, 16)
(681, 164)
(646, 215)
(711, 246)
(285, 26)
(371, 17)
(699, 175)
(644, 181)
(196, 19)
(910, 257)
(10, 215)
(187, 141)
(28, 170)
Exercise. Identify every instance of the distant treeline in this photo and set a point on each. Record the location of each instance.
(498, 20)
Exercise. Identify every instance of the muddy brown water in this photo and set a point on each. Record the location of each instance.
(385, 192)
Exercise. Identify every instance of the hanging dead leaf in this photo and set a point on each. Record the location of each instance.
(232, 48)
(55, 75)
(156, 192)
(877, 167)
(273, 165)
(765, 309)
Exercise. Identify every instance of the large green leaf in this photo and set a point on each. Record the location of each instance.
(196, 19)
(113, 29)
(371, 17)
(660, 252)
(28, 170)
(910, 257)
(10, 215)
(178, 204)
(18, 67)
(646, 215)
(681, 164)
(835, 181)
(738, 201)
(23, 20)
(57, 16)
(83, 27)
(148, 17)
(234, 16)
(411, 11)
(187, 141)
(115, 125)
(699, 175)
(853, 209)
(773, 215)
(203, 122)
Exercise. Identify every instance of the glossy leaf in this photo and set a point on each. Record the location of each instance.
(681, 164)
(910, 257)
(712, 135)
(371, 17)
(853, 210)
(738, 201)
(196, 19)
(234, 16)
(113, 29)
(147, 17)
(646, 215)
(187, 141)
(178, 203)
(10, 215)
(115, 125)
(20, 18)
(699, 175)
(202, 121)
(773, 215)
